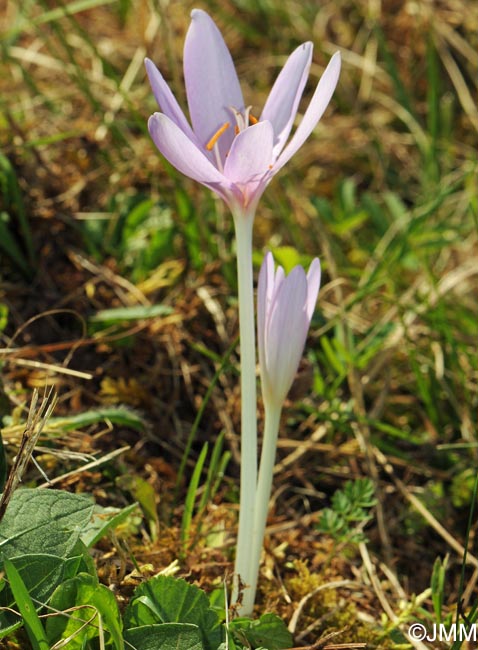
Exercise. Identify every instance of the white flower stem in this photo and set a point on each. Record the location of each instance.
(264, 485)
(243, 224)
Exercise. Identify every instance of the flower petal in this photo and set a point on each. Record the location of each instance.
(313, 285)
(286, 332)
(183, 154)
(250, 156)
(281, 105)
(265, 287)
(314, 112)
(211, 81)
(167, 101)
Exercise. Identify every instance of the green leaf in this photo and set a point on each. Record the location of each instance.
(191, 497)
(269, 632)
(437, 585)
(104, 520)
(86, 601)
(41, 574)
(116, 414)
(332, 523)
(349, 508)
(32, 623)
(361, 492)
(168, 636)
(165, 599)
(138, 312)
(144, 493)
(4, 311)
(287, 256)
(10, 246)
(43, 521)
(13, 203)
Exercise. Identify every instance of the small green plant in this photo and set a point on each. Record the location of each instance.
(44, 540)
(437, 585)
(349, 512)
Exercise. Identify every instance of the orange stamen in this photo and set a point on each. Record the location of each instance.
(236, 130)
(217, 135)
(252, 119)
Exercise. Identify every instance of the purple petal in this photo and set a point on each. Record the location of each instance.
(313, 285)
(167, 101)
(286, 332)
(250, 156)
(314, 112)
(182, 153)
(281, 105)
(211, 81)
(265, 288)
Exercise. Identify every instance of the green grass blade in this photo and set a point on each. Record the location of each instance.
(466, 546)
(401, 93)
(33, 625)
(9, 246)
(13, 203)
(116, 414)
(191, 498)
(138, 312)
(433, 113)
(211, 472)
(433, 91)
(195, 426)
(55, 14)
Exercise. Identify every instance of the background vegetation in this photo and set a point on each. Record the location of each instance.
(118, 288)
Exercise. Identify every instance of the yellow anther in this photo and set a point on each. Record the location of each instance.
(252, 119)
(217, 135)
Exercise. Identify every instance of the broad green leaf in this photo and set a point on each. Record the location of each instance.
(165, 599)
(43, 521)
(23, 601)
(167, 636)
(41, 574)
(87, 600)
(269, 632)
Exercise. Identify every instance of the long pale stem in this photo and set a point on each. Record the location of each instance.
(264, 485)
(243, 224)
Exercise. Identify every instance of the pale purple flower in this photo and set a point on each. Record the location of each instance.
(285, 305)
(227, 149)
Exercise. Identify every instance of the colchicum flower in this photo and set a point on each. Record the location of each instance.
(236, 155)
(285, 305)
(228, 149)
